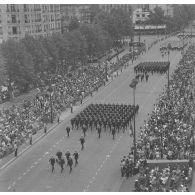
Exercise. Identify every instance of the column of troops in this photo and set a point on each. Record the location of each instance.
(107, 116)
(152, 67)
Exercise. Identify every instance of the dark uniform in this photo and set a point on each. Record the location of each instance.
(99, 130)
(76, 156)
(67, 154)
(62, 162)
(82, 140)
(70, 163)
(68, 130)
(59, 155)
(52, 161)
(113, 133)
(84, 130)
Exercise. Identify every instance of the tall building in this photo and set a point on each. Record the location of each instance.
(109, 7)
(17, 20)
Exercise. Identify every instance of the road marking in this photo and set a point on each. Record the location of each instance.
(36, 163)
(19, 178)
(24, 174)
(40, 159)
(28, 170)
(9, 187)
(14, 183)
(32, 166)
(46, 153)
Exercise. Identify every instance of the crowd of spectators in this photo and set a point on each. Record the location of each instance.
(56, 93)
(172, 178)
(168, 133)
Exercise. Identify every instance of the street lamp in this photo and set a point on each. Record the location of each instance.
(133, 84)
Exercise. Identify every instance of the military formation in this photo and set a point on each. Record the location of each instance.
(152, 67)
(60, 160)
(105, 116)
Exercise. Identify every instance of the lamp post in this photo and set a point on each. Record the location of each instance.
(133, 84)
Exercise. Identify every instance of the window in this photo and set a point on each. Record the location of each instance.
(14, 30)
(137, 15)
(1, 30)
(13, 8)
(25, 18)
(143, 15)
(13, 18)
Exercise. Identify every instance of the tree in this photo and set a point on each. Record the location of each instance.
(19, 64)
(35, 48)
(74, 24)
(157, 16)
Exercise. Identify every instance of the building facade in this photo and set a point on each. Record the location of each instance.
(17, 20)
(140, 15)
(79, 11)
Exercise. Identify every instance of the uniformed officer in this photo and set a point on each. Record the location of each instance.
(67, 154)
(70, 163)
(59, 155)
(76, 157)
(113, 132)
(84, 130)
(62, 162)
(68, 130)
(52, 161)
(82, 140)
(99, 130)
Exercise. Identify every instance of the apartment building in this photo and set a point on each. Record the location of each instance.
(17, 20)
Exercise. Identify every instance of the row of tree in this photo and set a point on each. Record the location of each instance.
(182, 16)
(27, 58)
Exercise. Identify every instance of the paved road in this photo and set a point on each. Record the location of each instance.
(98, 168)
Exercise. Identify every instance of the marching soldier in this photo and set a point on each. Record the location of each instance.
(70, 163)
(113, 132)
(52, 161)
(67, 154)
(59, 155)
(62, 162)
(82, 140)
(76, 157)
(99, 130)
(68, 130)
(84, 130)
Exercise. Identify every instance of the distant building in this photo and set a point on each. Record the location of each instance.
(17, 20)
(140, 15)
(109, 7)
(69, 11)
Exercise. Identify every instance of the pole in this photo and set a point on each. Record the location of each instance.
(51, 108)
(183, 44)
(134, 137)
(106, 71)
(133, 49)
